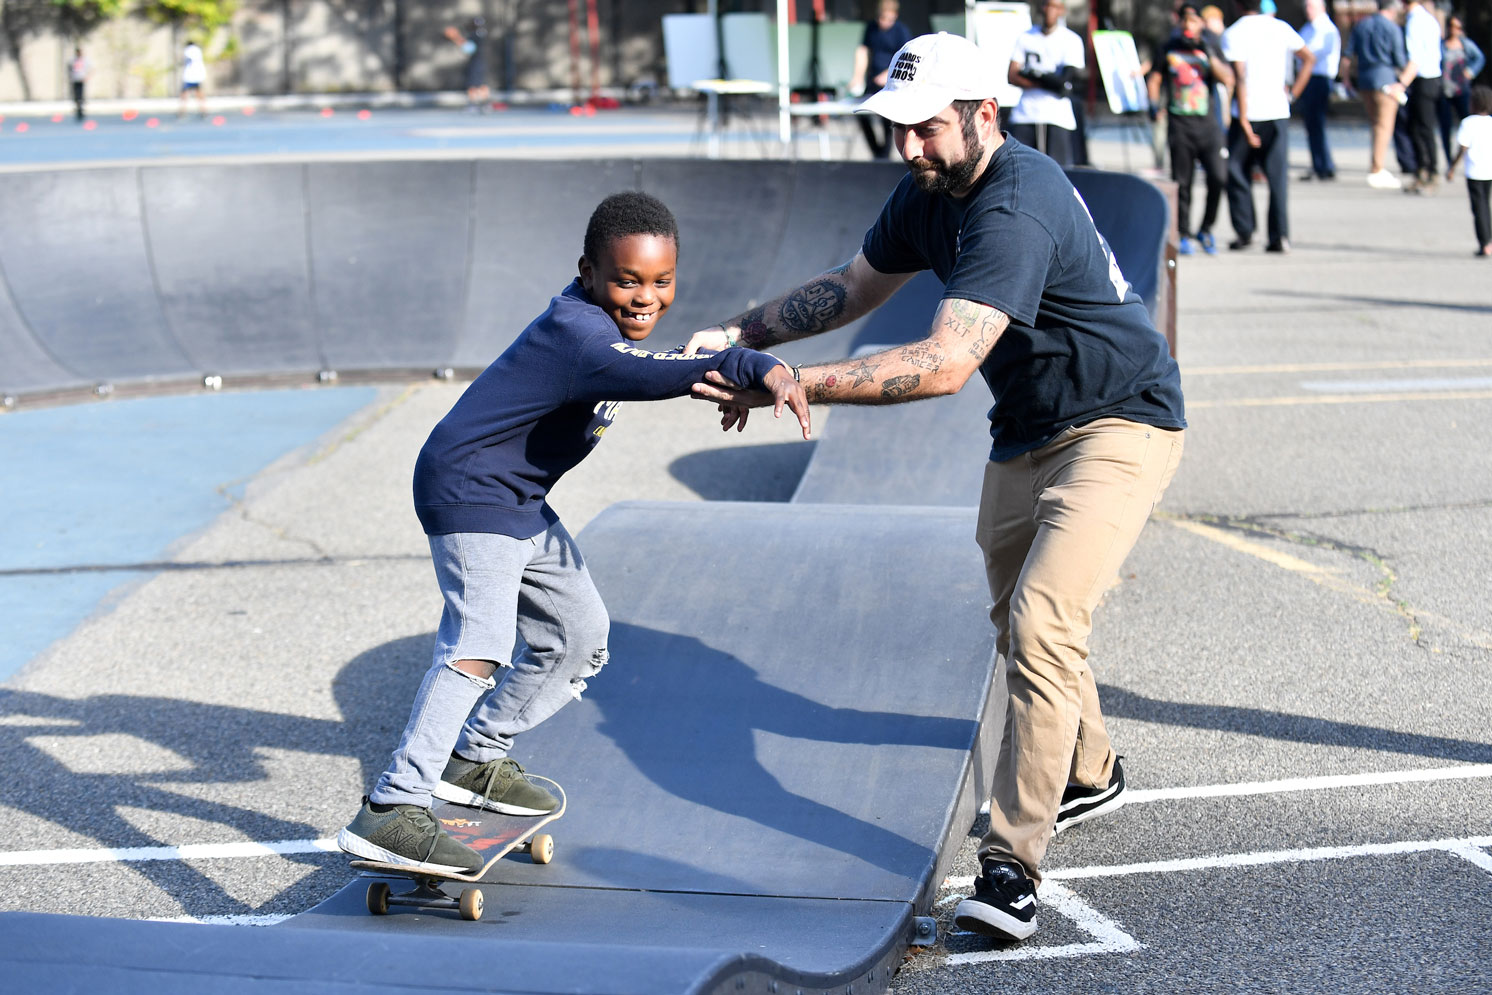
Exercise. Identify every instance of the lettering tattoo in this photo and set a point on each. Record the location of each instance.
(962, 317)
(991, 324)
(900, 386)
(983, 324)
(924, 354)
(812, 307)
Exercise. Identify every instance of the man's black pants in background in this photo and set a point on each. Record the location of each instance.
(1271, 157)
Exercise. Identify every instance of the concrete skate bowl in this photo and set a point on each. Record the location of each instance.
(162, 277)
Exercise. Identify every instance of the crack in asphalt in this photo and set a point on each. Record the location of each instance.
(1381, 593)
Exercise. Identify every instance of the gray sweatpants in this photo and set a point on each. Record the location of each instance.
(497, 588)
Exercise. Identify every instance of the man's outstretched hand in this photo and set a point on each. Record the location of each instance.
(735, 402)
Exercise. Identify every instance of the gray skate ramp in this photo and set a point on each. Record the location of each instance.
(139, 276)
(762, 788)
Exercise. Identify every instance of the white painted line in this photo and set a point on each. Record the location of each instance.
(1109, 937)
(1396, 386)
(1323, 783)
(191, 851)
(245, 920)
(1302, 399)
(1264, 857)
(1380, 364)
(1259, 858)
(1478, 857)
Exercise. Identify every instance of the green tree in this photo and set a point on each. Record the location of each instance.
(204, 15)
(78, 17)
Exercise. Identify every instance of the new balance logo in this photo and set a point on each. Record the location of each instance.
(905, 68)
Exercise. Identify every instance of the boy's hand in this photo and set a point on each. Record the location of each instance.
(710, 340)
(734, 400)
(787, 390)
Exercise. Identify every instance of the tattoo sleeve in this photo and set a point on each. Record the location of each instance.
(961, 340)
(819, 305)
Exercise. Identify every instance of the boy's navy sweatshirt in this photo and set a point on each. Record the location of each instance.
(539, 409)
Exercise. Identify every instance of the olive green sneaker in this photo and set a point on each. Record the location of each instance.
(407, 835)
(499, 785)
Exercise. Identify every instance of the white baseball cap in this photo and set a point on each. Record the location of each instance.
(927, 74)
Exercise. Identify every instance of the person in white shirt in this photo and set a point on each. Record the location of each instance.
(1422, 39)
(193, 75)
(1259, 47)
(1046, 62)
(1325, 42)
(1474, 140)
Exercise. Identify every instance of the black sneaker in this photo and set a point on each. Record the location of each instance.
(1003, 904)
(1239, 244)
(1080, 803)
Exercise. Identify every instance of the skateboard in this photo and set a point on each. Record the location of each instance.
(492, 834)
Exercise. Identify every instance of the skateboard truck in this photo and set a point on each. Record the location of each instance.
(426, 895)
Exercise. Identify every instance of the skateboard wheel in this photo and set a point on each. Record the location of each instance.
(541, 848)
(471, 904)
(378, 898)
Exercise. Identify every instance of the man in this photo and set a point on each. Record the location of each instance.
(1422, 41)
(1260, 46)
(1046, 62)
(1188, 70)
(882, 38)
(1087, 423)
(1379, 66)
(1325, 42)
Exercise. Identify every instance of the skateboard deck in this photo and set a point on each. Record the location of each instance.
(494, 835)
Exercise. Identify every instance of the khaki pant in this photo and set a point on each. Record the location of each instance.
(1055, 525)
(1382, 110)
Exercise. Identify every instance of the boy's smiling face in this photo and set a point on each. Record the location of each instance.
(632, 281)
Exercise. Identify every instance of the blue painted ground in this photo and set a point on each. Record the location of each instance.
(308, 133)
(94, 491)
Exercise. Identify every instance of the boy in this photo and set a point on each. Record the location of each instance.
(1474, 140)
(480, 489)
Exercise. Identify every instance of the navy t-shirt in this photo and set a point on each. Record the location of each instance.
(539, 409)
(1080, 344)
(882, 45)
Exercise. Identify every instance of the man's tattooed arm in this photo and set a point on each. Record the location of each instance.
(826, 302)
(962, 336)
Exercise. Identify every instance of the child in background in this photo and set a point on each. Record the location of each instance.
(505, 564)
(1474, 140)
